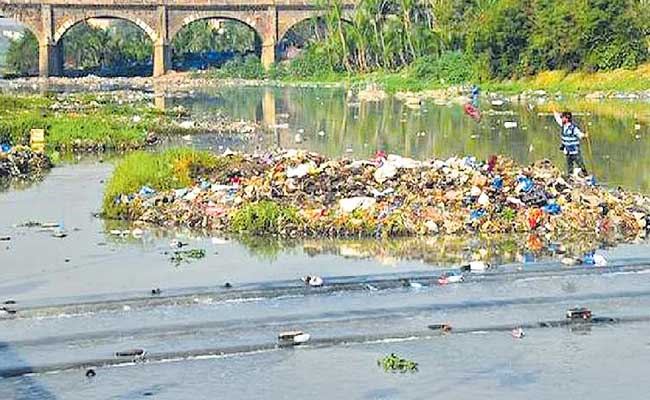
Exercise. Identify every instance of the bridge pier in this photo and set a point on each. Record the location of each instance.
(162, 59)
(50, 60)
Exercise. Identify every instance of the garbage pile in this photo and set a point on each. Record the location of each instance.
(300, 194)
(22, 163)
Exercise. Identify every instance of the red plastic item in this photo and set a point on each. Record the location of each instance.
(473, 112)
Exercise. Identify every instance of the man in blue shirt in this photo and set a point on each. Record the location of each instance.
(570, 136)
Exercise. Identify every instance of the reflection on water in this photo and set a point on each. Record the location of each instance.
(330, 123)
(443, 250)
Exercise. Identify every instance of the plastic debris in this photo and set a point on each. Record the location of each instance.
(518, 333)
(569, 261)
(407, 283)
(552, 209)
(21, 163)
(175, 243)
(313, 281)
(599, 260)
(447, 279)
(476, 266)
(317, 196)
(510, 124)
(90, 373)
(445, 328)
(4, 310)
(354, 203)
(579, 313)
(133, 353)
(146, 191)
(59, 233)
(299, 171)
(293, 338)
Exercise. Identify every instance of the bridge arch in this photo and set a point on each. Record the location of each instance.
(250, 21)
(229, 37)
(290, 21)
(67, 23)
(24, 20)
(107, 46)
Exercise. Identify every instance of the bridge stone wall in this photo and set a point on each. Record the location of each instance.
(160, 19)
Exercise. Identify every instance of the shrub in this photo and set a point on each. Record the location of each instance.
(450, 68)
(263, 218)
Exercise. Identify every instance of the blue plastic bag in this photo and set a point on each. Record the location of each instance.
(5, 148)
(552, 208)
(477, 214)
(497, 183)
(527, 184)
(146, 191)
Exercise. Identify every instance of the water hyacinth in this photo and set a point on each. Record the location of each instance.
(394, 363)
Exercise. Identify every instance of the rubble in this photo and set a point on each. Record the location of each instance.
(21, 163)
(343, 198)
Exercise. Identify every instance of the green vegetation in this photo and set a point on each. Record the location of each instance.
(222, 36)
(263, 218)
(186, 256)
(123, 47)
(170, 169)
(248, 67)
(507, 45)
(22, 55)
(92, 124)
(394, 363)
(498, 38)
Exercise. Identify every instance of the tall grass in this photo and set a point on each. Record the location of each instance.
(263, 218)
(171, 169)
(107, 124)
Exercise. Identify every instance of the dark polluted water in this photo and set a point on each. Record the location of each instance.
(82, 298)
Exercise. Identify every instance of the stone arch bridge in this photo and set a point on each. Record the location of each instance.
(160, 19)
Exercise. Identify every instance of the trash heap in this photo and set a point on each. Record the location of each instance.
(300, 194)
(22, 163)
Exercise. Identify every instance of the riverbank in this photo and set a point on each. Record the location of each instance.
(616, 84)
(115, 121)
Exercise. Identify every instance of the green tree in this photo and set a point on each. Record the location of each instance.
(22, 55)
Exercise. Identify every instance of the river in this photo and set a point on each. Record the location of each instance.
(86, 296)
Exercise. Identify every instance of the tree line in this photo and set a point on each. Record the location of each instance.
(486, 39)
(450, 40)
(125, 47)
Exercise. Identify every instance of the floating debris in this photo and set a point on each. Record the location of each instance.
(447, 279)
(90, 373)
(293, 338)
(4, 310)
(445, 328)
(313, 281)
(579, 313)
(186, 256)
(518, 333)
(133, 353)
(394, 363)
(476, 266)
